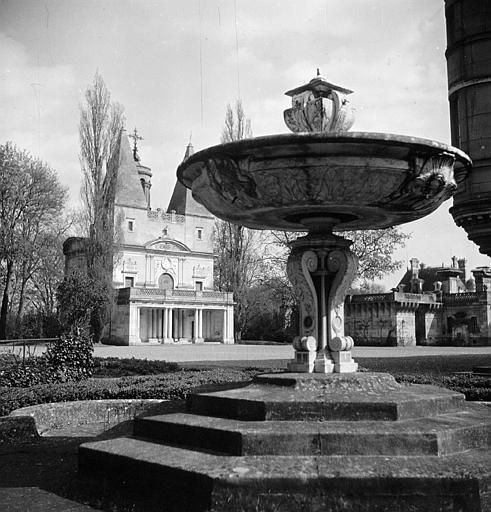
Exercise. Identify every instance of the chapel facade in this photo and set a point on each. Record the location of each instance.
(430, 306)
(163, 266)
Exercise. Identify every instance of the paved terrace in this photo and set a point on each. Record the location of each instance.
(195, 353)
(249, 352)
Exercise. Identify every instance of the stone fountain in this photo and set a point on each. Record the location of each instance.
(321, 179)
(320, 436)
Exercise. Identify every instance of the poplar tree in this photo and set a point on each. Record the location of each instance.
(100, 131)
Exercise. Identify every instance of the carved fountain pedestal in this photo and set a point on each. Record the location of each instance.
(320, 436)
(321, 268)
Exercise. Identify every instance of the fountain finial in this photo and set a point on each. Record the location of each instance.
(319, 106)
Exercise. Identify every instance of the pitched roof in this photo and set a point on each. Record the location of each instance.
(182, 200)
(429, 275)
(129, 191)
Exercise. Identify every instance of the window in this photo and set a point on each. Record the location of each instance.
(129, 282)
(199, 233)
(199, 286)
(131, 224)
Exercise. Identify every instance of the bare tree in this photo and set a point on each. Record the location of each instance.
(100, 131)
(237, 249)
(31, 199)
(239, 264)
(237, 125)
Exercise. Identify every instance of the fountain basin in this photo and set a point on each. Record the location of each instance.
(362, 180)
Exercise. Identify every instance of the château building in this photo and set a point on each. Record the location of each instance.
(163, 268)
(430, 306)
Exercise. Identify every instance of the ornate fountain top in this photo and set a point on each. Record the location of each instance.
(319, 106)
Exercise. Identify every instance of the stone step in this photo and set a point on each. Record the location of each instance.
(161, 473)
(260, 402)
(441, 435)
(187, 480)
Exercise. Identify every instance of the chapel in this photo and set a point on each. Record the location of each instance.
(163, 264)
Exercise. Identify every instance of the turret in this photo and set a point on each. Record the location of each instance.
(469, 92)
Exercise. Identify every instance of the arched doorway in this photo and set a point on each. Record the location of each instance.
(166, 282)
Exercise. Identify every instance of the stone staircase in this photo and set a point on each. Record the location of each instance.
(288, 442)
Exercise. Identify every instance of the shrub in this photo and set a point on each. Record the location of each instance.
(16, 373)
(116, 367)
(82, 301)
(70, 358)
(172, 386)
(474, 388)
(67, 359)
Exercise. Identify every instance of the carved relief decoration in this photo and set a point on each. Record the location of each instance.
(427, 182)
(167, 245)
(301, 181)
(168, 265)
(231, 181)
(344, 263)
(172, 217)
(200, 271)
(130, 265)
(309, 113)
(299, 266)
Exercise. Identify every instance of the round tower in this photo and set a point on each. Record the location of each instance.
(469, 83)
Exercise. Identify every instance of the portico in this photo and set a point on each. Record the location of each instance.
(181, 324)
(174, 316)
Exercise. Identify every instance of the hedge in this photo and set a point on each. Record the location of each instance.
(177, 385)
(171, 386)
(474, 388)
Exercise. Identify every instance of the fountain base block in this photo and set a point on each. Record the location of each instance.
(308, 441)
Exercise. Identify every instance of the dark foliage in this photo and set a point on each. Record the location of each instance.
(70, 358)
(116, 367)
(172, 386)
(80, 297)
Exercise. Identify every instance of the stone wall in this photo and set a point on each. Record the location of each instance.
(371, 323)
(406, 327)
(467, 319)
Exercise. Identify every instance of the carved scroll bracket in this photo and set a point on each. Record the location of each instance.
(321, 269)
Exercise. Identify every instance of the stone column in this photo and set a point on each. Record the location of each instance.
(153, 338)
(228, 325)
(207, 325)
(134, 325)
(148, 320)
(224, 326)
(321, 268)
(159, 324)
(171, 317)
(162, 315)
(181, 323)
(197, 330)
(166, 326)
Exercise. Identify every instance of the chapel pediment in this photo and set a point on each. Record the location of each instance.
(167, 244)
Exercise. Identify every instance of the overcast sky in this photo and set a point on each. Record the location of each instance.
(174, 65)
